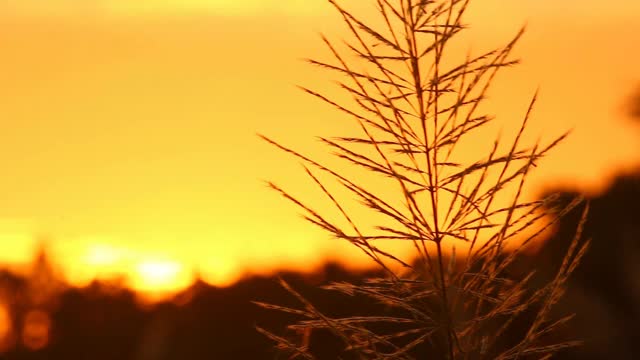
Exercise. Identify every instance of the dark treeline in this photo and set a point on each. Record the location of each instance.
(105, 321)
(604, 292)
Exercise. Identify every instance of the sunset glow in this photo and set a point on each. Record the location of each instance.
(128, 128)
(161, 276)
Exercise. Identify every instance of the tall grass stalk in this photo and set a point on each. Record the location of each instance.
(414, 109)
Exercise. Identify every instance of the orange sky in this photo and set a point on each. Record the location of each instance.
(128, 127)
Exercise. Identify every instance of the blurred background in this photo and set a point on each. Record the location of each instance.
(134, 220)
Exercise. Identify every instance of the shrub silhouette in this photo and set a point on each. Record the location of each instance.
(414, 110)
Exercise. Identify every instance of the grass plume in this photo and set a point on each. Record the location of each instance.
(414, 109)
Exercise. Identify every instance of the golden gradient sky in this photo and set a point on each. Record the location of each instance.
(127, 127)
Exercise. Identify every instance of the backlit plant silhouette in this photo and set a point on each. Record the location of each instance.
(415, 106)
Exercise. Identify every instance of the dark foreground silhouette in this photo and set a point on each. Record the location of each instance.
(104, 321)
